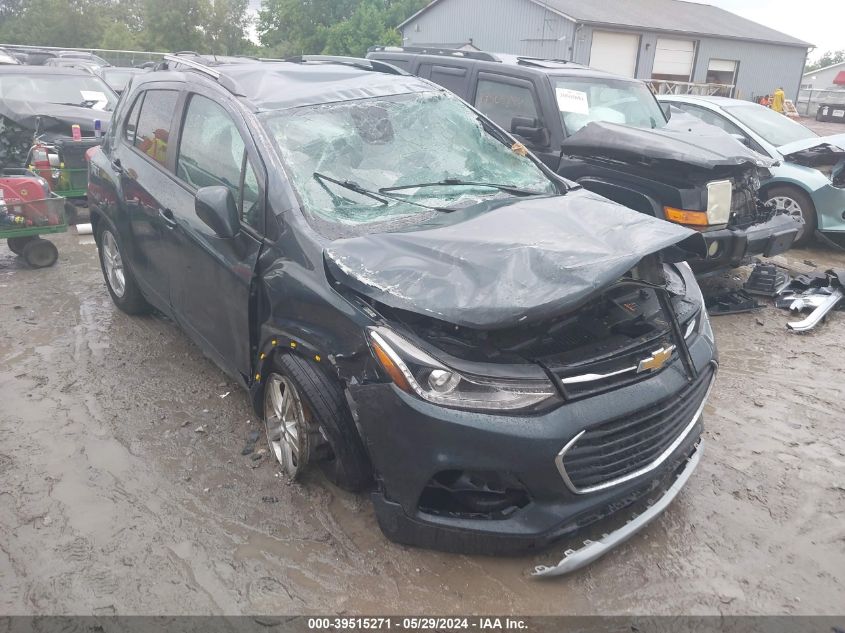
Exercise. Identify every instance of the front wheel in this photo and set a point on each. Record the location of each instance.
(307, 419)
(121, 284)
(799, 207)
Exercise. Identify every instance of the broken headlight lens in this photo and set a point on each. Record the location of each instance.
(415, 371)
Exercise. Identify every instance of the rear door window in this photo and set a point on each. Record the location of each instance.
(131, 123)
(503, 101)
(153, 129)
(212, 153)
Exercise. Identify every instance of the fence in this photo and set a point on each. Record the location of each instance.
(809, 100)
(667, 87)
(115, 57)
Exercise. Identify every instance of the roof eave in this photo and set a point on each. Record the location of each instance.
(628, 27)
(818, 70)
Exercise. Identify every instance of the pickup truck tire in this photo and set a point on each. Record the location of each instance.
(120, 282)
(798, 204)
(330, 435)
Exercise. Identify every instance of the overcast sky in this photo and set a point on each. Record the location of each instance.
(819, 22)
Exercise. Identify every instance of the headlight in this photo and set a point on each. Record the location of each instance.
(719, 198)
(719, 195)
(702, 319)
(415, 371)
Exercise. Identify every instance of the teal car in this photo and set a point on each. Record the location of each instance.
(809, 180)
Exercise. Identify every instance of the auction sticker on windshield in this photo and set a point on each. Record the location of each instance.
(100, 99)
(572, 101)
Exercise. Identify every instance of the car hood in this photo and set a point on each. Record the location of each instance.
(835, 140)
(509, 262)
(684, 142)
(52, 119)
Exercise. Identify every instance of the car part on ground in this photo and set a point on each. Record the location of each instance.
(819, 292)
(731, 302)
(822, 302)
(767, 280)
(316, 262)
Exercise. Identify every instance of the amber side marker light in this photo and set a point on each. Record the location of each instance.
(389, 366)
(693, 218)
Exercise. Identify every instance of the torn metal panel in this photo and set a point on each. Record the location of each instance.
(687, 147)
(822, 307)
(505, 263)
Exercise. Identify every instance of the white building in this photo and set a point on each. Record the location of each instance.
(828, 78)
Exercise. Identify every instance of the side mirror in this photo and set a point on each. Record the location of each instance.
(667, 110)
(216, 207)
(528, 128)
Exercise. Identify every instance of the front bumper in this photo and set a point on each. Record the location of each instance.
(411, 441)
(730, 247)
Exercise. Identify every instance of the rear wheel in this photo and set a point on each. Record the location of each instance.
(307, 420)
(16, 244)
(121, 284)
(799, 207)
(40, 253)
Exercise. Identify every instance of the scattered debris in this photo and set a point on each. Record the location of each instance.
(253, 436)
(199, 429)
(223, 395)
(810, 262)
(767, 280)
(270, 499)
(818, 292)
(731, 302)
(248, 449)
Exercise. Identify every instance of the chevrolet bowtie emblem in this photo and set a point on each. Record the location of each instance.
(657, 359)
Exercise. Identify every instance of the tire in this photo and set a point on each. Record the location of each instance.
(330, 436)
(794, 200)
(819, 114)
(121, 285)
(16, 244)
(40, 253)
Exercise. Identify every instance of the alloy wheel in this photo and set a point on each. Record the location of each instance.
(286, 426)
(791, 207)
(113, 264)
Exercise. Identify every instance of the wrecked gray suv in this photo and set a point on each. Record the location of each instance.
(415, 304)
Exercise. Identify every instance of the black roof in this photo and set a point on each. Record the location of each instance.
(278, 85)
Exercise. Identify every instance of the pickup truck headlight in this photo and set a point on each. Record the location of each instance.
(719, 198)
(414, 371)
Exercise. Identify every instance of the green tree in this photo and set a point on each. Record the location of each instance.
(70, 23)
(364, 28)
(828, 58)
(174, 25)
(225, 27)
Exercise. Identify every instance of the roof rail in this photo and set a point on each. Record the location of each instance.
(357, 62)
(190, 63)
(446, 52)
(538, 61)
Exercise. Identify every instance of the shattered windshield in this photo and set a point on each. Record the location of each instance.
(376, 164)
(83, 91)
(582, 101)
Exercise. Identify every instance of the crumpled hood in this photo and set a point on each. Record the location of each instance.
(54, 118)
(703, 146)
(524, 260)
(837, 140)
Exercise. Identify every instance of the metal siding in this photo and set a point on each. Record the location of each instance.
(823, 79)
(520, 27)
(762, 67)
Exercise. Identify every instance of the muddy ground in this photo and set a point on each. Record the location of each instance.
(123, 488)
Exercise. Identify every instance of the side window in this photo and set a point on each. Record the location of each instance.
(131, 123)
(502, 102)
(452, 78)
(712, 118)
(212, 153)
(153, 128)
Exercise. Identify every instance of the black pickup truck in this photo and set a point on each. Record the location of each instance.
(609, 134)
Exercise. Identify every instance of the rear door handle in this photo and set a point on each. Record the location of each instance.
(117, 166)
(167, 217)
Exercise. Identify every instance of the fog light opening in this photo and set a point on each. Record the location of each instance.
(714, 249)
(473, 495)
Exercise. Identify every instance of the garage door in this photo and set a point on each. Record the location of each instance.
(673, 59)
(615, 52)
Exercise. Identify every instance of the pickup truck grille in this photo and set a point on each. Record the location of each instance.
(624, 448)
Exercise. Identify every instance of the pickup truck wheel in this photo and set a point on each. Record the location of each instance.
(306, 419)
(121, 284)
(798, 205)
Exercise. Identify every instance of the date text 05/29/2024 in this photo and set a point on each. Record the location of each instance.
(417, 623)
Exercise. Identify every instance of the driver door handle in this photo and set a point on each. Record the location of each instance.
(167, 217)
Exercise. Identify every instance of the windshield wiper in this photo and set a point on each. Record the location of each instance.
(383, 198)
(447, 182)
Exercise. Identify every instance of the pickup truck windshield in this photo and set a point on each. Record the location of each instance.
(774, 127)
(370, 165)
(582, 101)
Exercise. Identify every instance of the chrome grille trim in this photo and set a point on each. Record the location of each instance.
(640, 471)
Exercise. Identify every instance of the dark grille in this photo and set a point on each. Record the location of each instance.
(624, 445)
